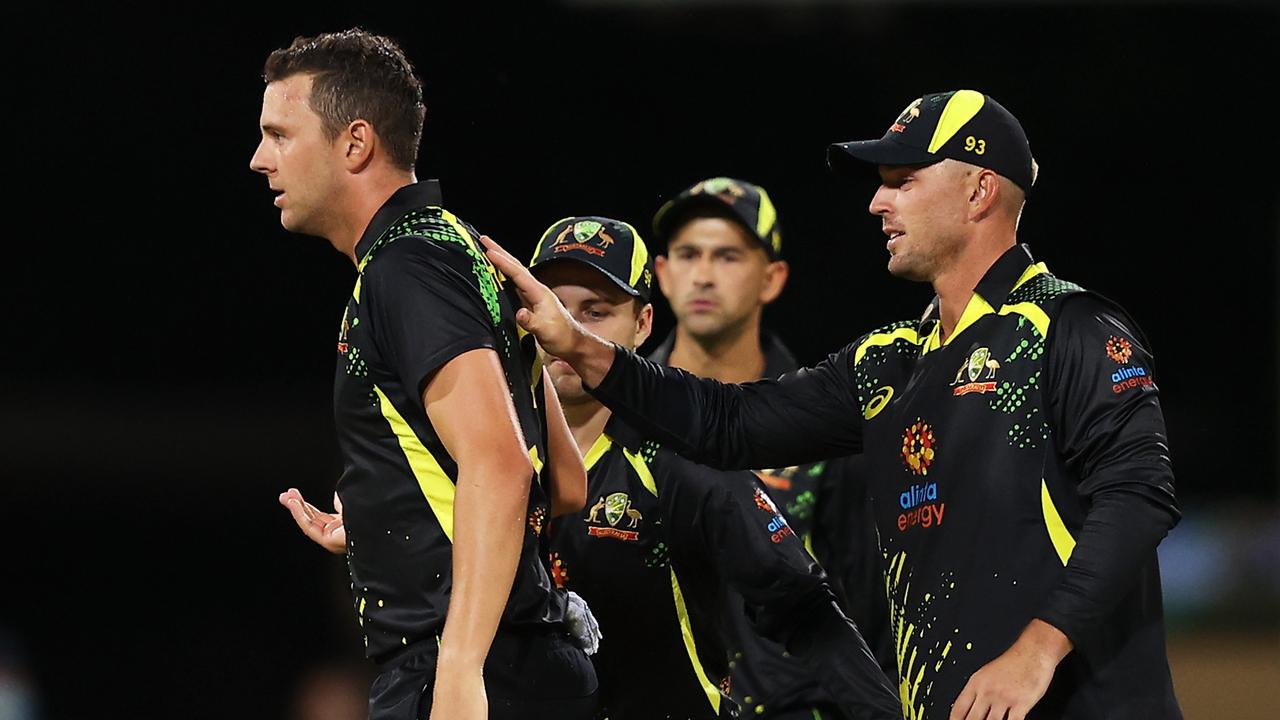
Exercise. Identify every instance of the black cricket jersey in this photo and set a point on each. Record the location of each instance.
(653, 553)
(1018, 470)
(825, 504)
(425, 294)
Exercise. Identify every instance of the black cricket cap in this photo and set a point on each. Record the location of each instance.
(745, 203)
(611, 246)
(962, 125)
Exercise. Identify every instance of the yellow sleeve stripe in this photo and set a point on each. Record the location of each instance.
(436, 486)
(462, 231)
(1059, 535)
(1031, 312)
(960, 109)
(686, 631)
(879, 339)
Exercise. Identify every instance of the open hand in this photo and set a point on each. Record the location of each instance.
(1009, 686)
(543, 314)
(325, 529)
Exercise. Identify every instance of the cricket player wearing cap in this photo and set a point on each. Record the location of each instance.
(1013, 437)
(663, 539)
(723, 264)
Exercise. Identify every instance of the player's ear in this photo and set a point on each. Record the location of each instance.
(644, 322)
(358, 142)
(985, 193)
(660, 269)
(775, 278)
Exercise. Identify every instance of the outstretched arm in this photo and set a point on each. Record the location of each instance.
(807, 415)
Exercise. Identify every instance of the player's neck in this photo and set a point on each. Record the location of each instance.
(365, 201)
(735, 357)
(955, 285)
(586, 421)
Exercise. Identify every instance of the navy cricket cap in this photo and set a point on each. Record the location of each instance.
(611, 246)
(962, 125)
(742, 202)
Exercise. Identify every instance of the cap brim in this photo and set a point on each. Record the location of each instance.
(678, 211)
(850, 158)
(626, 287)
(683, 210)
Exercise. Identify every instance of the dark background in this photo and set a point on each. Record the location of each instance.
(168, 363)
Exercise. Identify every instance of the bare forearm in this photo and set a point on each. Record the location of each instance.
(489, 513)
(565, 471)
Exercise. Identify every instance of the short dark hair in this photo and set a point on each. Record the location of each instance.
(358, 75)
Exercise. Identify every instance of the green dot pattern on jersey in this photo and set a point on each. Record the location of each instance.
(659, 556)
(866, 379)
(429, 224)
(1040, 288)
(649, 451)
(1030, 429)
(802, 507)
(356, 367)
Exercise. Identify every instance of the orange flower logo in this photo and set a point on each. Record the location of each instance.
(536, 520)
(765, 503)
(559, 571)
(918, 447)
(1119, 349)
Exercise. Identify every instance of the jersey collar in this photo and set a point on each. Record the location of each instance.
(409, 197)
(1012, 269)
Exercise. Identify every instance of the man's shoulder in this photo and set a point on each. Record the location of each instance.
(903, 333)
(429, 231)
(1043, 289)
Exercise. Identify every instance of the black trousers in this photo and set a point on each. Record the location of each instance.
(531, 675)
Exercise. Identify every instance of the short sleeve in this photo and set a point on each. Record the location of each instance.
(425, 307)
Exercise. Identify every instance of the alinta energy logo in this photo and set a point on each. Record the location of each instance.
(1128, 376)
(919, 502)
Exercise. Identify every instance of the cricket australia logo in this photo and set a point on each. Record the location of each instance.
(582, 234)
(615, 507)
(911, 112)
(979, 371)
